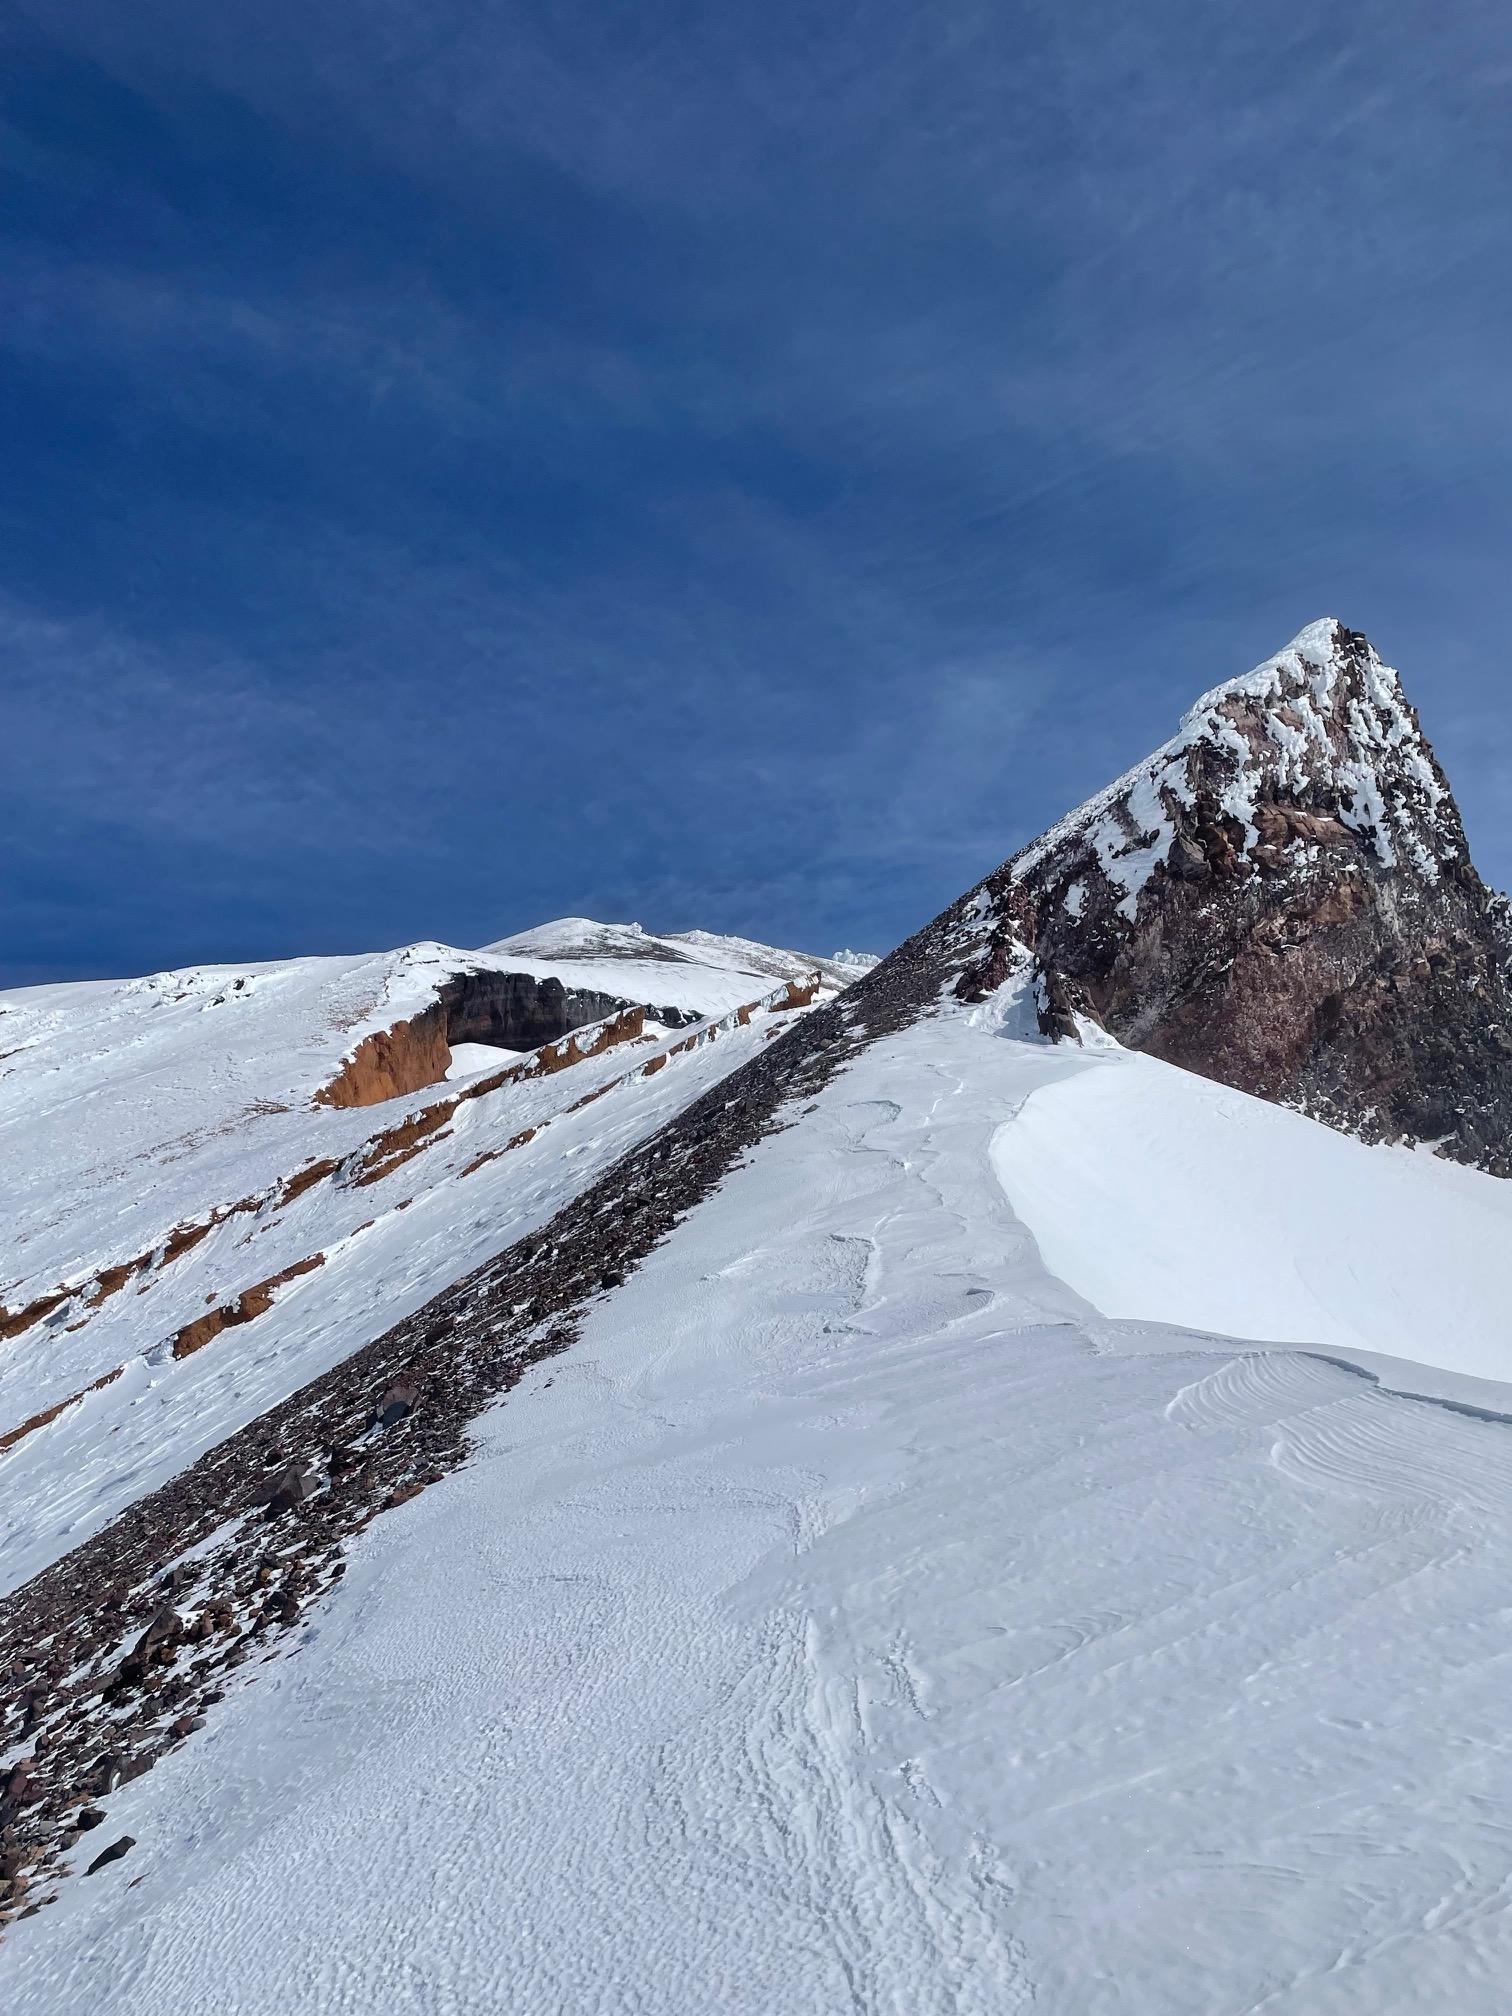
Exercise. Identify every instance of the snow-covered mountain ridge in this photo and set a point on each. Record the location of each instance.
(824, 1547)
(130, 1107)
(849, 1618)
(1325, 718)
(571, 940)
(175, 1171)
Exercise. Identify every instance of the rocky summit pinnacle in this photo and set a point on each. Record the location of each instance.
(1282, 898)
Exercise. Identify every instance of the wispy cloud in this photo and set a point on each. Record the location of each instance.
(467, 461)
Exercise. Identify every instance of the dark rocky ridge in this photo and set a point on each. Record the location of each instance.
(1282, 898)
(517, 1011)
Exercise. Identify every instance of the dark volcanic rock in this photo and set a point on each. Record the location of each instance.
(1282, 898)
(164, 1629)
(19, 1783)
(399, 1400)
(288, 1487)
(517, 1011)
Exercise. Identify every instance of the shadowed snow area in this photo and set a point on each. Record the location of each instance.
(840, 1625)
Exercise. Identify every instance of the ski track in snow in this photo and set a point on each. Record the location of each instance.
(839, 1626)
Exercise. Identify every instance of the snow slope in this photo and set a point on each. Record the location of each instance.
(128, 1106)
(855, 1621)
(158, 1140)
(701, 966)
(1164, 1196)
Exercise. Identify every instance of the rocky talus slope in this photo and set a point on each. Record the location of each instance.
(1282, 898)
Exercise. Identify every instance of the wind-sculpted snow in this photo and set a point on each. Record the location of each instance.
(852, 1620)
(1159, 1195)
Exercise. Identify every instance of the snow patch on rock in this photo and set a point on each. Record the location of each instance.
(1316, 714)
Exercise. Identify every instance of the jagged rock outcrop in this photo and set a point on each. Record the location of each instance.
(518, 1011)
(392, 1063)
(1282, 898)
(510, 1011)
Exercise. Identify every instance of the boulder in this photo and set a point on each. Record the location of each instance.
(400, 1399)
(166, 1628)
(293, 1485)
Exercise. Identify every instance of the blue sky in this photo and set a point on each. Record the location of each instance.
(721, 466)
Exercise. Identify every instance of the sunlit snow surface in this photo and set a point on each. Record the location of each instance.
(126, 1105)
(1159, 1194)
(852, 1621)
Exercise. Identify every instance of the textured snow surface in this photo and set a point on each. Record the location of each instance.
(853, 1621)
(390, 1248)
(128, 1106)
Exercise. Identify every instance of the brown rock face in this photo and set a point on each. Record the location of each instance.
(14, 1321)
(512, 1011)
(392, 1062)
(41, 1420)
(251, 1303)
(1282, 898)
